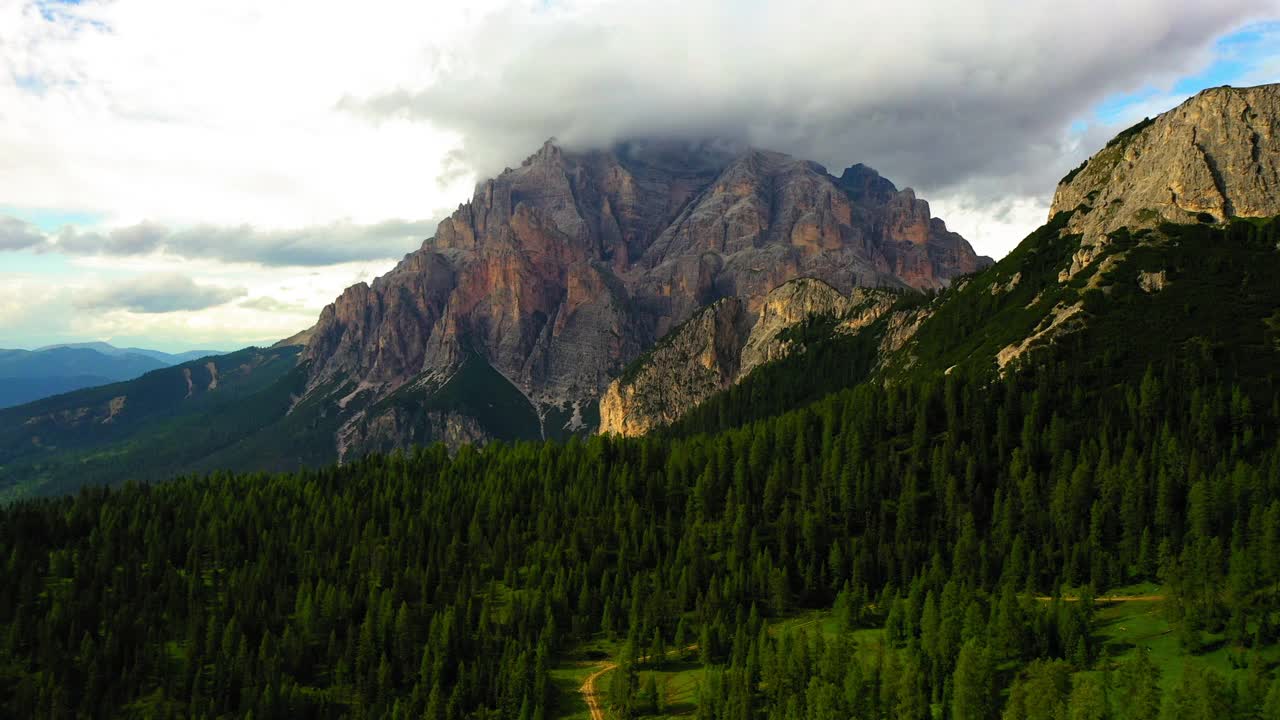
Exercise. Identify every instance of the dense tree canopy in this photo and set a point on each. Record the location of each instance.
(423, 584)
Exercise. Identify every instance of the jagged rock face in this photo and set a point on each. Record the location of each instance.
(560, 272)
(786, 307)
(393, 429)
(722, 344)
(692, 363)
(1213, 157)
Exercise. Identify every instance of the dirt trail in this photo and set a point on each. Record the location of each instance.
(1108, 598)
(588, 690)
(591, 695)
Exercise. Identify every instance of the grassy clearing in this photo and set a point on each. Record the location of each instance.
(680, 675)
(1129, 619)
(1127, 627)
(568, 676)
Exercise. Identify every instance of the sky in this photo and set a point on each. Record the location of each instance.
(211, 174)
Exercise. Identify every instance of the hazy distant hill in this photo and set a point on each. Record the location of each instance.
(164, 357)
(29, 375)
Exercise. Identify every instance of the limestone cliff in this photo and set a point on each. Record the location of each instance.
(693, 362)
(722, 344)
(559, 273)
(1215, 156)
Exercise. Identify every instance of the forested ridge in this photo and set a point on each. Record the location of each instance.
(970, 517)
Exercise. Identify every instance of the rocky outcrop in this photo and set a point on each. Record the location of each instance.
(396, 428)
(299, 339)
(562, 271)
(693, 362)
(722, 344)
(1211, 158)
(784, 308)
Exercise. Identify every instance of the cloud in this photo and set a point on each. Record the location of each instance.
(135, 109)
(944, 96)
(331, 244)
(278, 303)
(158, 293)
(269, 304)
(18, 235)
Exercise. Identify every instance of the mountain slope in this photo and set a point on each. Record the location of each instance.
(1211, 158)
(152, 427)
(164, 357)
(28, 375)
(559, 273)
(724, 343)
(1146, 248)
(1108, 280)
(19, 391)
(65, 361)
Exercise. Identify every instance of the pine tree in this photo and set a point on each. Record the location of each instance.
(1088, 699)
(973, 683)
(1139, 685)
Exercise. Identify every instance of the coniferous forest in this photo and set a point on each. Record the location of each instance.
(971, 522)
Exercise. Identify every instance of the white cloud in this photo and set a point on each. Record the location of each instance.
(217, 112)
(206, 136)
(279, 301)
(158, 293)
(973, 97)
(331, 244)
(18, 235)
(1001, 223)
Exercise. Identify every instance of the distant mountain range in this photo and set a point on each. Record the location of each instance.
(29, 375)
(164, 357)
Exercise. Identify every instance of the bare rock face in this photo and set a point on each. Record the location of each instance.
(1211, 158)
(721, 345)
(690, 364)
(562, 271)
(784, 308)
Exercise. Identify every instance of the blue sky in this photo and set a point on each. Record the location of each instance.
(52, 220)
(1238, 58)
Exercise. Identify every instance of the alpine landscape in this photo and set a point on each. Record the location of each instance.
(670, 419)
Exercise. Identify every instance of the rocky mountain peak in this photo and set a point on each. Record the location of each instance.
(558, 273)
(865, 184)
(1211, 158)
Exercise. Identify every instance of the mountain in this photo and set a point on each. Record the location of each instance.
(1159, 243)
(512, 320)
(1211, 158)
(164, 357)
(724, 343)
(166, 422)
(1166, 235)
(560, 272)
(691, 275)
(28, 375)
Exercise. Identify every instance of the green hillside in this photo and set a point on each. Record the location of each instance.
(150, 428)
